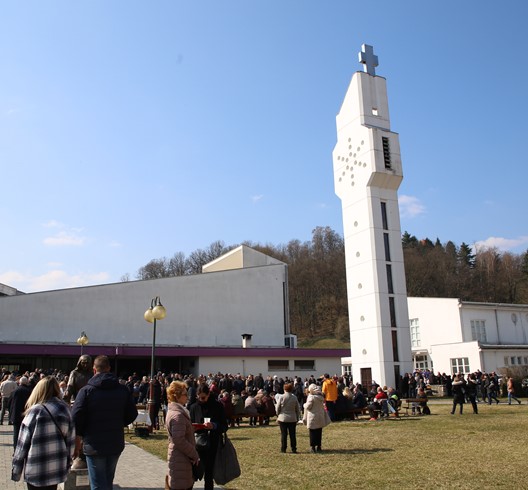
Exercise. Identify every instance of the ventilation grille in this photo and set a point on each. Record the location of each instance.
(386, 152)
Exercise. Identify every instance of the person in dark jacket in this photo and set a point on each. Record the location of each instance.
(459, 391)
(471, 391)
(16, 409)
(206, 407)
(101, 410)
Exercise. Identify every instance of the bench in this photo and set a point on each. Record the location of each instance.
(413, 404)
(352, 413)
(236, 419)
(390, 412)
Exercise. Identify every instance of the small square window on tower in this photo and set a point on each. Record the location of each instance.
(374, 111)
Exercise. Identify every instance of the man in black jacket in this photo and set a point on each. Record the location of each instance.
(101, 409)
(16, 409)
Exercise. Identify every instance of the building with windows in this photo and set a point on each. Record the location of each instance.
(232, 318)
(453, 336)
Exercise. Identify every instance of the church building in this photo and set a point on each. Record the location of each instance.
(232, 318)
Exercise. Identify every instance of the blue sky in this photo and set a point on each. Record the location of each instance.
(134, 130)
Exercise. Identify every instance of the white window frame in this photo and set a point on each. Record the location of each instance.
(414, 324)
(478, 331)
(460, 365)
(421, 362)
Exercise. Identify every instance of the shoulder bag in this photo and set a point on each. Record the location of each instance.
(226, 466)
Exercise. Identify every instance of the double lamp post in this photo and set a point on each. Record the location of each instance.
(156, 312)
(82, 341)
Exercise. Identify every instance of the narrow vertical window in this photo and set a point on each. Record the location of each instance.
(392, 310)
(395, 354)
(387, 247)
(384, 220)
(389, 279)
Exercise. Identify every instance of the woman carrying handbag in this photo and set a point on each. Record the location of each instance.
(46, 440)
(182, 454)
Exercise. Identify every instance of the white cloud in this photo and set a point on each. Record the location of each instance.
(54, 265)
(53, 224)
(504, 244)
(410, 206)
(54, 279)
(65, 238)
(115, 244)
(257, 198)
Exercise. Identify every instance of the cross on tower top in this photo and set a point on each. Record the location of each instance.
(368, 58)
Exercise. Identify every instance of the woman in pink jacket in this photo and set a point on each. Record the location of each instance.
(182, 454)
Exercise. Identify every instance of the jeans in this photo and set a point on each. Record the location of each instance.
(16, 431)
(510, 396)
(101, 470)
(5, 406)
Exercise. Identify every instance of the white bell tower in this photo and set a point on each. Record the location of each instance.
(367, 174)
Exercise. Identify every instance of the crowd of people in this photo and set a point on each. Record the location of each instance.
(49, 432)
(61, 420)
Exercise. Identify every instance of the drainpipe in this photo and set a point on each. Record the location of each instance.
(497, 325)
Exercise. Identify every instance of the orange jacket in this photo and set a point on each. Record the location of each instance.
(330, 390)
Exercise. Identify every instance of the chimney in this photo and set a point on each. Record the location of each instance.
(246, 340)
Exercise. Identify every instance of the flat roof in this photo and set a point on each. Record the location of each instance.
(165, 351)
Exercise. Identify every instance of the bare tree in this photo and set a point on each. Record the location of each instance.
(177, 265)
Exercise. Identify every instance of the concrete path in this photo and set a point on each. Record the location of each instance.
(136, 470)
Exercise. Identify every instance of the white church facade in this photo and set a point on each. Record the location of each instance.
(232, 318)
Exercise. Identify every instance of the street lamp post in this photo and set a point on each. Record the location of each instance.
(82, 341)
(156, 312)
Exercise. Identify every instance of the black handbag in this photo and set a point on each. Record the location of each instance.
(198, 470)
(202, 440)
(226, 466)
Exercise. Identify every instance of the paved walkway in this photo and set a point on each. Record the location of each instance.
(136, 470)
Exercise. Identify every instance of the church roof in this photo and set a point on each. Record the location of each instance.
(241, 257)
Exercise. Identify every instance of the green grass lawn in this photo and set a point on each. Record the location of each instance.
(488, 450)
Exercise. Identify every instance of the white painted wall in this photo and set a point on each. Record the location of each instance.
(254, 365)
(445, 331)
(211, 309)
(443, 353)
(439, 320)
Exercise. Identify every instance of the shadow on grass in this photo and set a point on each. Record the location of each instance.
(358, 451)
(155, 437)
(137, 488)
(240, 438)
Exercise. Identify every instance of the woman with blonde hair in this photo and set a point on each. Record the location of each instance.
(46, 440)
(182, 454)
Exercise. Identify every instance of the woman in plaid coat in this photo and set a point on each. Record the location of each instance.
(46, 440)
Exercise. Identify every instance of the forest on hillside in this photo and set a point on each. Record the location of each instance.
(317, 276)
